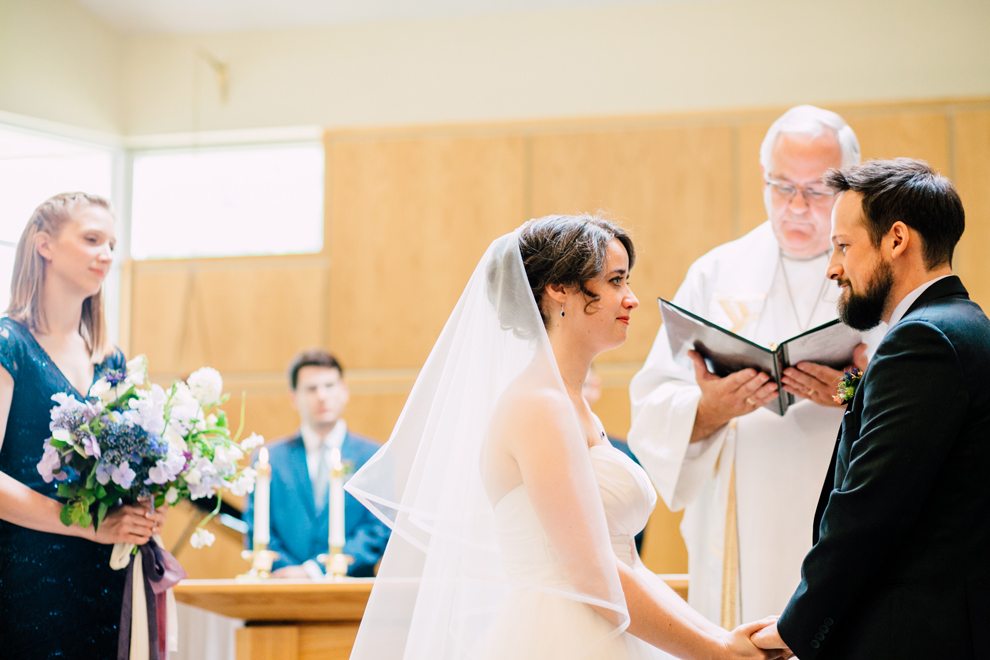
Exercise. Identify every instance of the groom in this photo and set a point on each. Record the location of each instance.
(900, 566)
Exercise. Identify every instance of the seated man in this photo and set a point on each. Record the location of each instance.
(300, 522)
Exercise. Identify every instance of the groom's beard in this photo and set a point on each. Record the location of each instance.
(864, 311)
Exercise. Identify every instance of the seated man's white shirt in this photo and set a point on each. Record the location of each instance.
(316, 445)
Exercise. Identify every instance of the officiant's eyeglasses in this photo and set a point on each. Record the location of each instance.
(785, 192)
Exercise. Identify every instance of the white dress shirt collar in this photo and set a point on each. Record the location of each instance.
(314, 442)
(908, 300)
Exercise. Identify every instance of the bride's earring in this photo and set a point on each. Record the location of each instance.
(561, 309)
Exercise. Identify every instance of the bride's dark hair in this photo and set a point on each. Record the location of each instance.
(568, 250)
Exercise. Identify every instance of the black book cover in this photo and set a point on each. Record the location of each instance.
(830, 344)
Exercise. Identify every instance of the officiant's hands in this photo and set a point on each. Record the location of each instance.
(769, 638)
(723, 399)
(817, 382)
(131, 523)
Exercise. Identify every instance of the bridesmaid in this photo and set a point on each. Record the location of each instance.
(58, 595)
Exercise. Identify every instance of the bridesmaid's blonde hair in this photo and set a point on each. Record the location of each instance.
(27, 304)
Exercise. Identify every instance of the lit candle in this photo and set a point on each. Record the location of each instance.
(336, 502)
(262, 501)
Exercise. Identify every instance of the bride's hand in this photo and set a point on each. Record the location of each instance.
(130, 523)
(739, 646)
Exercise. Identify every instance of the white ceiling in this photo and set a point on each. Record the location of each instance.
(190, 16)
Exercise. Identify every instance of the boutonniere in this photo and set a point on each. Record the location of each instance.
(847, 386)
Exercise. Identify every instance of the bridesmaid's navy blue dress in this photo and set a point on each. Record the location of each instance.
(59, 598)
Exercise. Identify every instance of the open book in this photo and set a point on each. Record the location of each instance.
(725, 352)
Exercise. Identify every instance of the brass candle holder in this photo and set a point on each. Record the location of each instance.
(261, 559)
(336, 563)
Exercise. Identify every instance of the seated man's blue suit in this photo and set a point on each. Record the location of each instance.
(298, 531)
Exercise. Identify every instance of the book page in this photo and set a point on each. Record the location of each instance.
(831, 344)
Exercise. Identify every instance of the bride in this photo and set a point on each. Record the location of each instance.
(514, 517)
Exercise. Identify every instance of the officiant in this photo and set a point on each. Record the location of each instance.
(300, 476)
(747, 478)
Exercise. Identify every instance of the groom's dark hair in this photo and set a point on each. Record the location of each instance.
(912, 192)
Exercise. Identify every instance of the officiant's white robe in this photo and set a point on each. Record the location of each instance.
(780, 462)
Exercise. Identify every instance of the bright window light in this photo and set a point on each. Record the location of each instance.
(33, 168)
(227, 202)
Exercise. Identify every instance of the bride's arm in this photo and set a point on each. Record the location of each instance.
(676, 628)
(674, 601)
(542, 435)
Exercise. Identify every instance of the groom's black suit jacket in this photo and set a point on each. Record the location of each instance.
(900, 566)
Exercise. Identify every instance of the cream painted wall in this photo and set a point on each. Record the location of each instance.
(637, 59)
(59, 63)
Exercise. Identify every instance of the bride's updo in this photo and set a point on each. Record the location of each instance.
(568, 250)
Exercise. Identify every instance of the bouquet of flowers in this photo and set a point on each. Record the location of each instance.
(129, 440)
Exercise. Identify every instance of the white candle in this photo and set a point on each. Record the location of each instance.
(336, 502)
(262, 501)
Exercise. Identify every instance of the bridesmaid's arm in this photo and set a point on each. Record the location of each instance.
(28, 508)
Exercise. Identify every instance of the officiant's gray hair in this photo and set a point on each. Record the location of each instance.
(569, 250)
(812, 121)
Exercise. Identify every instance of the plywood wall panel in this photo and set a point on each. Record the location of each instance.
(906, 135)
(972, 179)
(158, 311)
(752, 210)
(238, 319)
(256, 320)
(409, 220)
(374, 415)
(671, 188)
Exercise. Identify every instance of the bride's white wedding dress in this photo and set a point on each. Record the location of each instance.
(535, 620)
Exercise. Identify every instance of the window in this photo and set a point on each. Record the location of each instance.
(221, 202)
(33, 167)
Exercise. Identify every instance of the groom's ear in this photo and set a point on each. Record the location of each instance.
(898, 239)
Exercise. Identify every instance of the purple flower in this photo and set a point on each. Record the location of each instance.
(50, 465)
(69, 414)
(123, 475)
(91, 446)
(115, 377)
(103, 472)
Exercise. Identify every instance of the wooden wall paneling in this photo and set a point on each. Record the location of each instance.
(752, 211)
(250, 317)
(374, 415)
(971, 148)
(904, 134)
(158, 316)
(256, 320)
(672, 188)
(409, 220)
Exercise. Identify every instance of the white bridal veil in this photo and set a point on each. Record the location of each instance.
(442, 582)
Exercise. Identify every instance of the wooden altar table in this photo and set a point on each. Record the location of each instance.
(297, 619)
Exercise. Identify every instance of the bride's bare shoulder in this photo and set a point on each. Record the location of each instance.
(531, 399)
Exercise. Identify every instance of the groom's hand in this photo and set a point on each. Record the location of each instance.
(768, 638)
(818, 383)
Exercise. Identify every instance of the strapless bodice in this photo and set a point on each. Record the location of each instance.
(628, 498)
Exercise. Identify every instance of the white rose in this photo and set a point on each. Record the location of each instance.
(206, 385)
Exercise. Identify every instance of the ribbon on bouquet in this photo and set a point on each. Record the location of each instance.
(148, 617)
